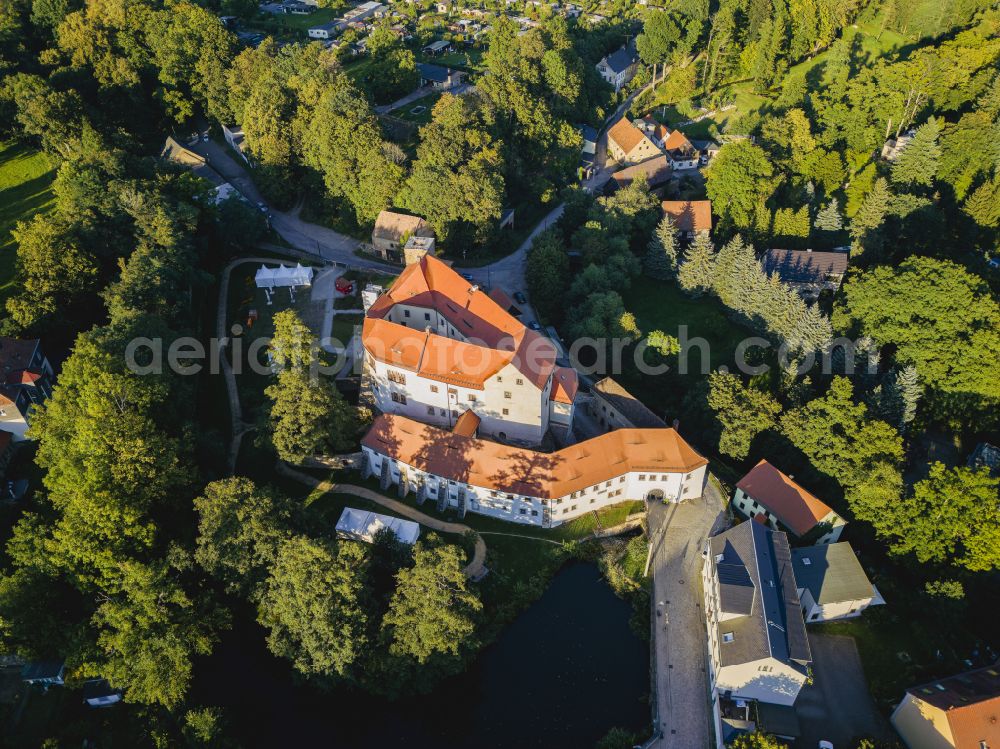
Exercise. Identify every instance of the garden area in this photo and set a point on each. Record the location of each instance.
(25, 188)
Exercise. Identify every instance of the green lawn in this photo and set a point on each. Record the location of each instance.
(292, 23)
(344, 326)
(425, 105)
(471, 59)
(25, 188)
(873, 46)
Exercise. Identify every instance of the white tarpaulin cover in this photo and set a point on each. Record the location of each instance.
(363, 525)
(269, 278)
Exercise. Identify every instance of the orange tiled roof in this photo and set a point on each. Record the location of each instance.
(797, 509)
(676, 140)
(565, 383)
(626, 135)
(971, 703)
(511, 469)
(495, 337)
(689, 215)
(467, 424)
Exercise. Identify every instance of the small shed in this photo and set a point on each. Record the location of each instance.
(100, 693)
(283, 276)
(361, 525)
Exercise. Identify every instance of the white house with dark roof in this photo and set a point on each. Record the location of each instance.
(758, 649)
(439, 77)
(620, 66)
(832, 583)
(26, 382)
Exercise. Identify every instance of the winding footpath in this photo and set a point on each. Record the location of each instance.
(475, 569)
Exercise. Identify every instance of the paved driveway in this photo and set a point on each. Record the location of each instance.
(837, 706)
(678, 534)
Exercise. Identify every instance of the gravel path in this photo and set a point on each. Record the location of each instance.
(475, 569)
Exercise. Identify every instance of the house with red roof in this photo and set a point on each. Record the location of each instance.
(767, 494)
(957, 712)
(25, 381)
(436, 346)
(457, 470)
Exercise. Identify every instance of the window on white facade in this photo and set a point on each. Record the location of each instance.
(506, 412)
(434, 388)
(430, 410)
(399, 398)
(472, 398)
(397, 377)
(520, 381)
(506, 394)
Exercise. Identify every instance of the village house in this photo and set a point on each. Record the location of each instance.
(440, 47)
(656, 171)
(832, 583)
(393, 229)
(614, 407)
(27, 382)
(766, 493)
(758, 649)
(690, 217)
(327, 30)
(363, 525)
(236, 140)
(680, 151)
(620, 66)
(958, 712)
(436, 345)
(439, 77)
(467, 474)
(100, 693)
(808, 272)
(627, 144)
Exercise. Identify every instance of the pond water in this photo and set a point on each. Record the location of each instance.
(565, 671)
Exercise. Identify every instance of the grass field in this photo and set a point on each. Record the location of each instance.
(290, 23)
(471, 59)
(25, 188)
(421, 117)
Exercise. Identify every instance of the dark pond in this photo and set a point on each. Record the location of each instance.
(568, 669)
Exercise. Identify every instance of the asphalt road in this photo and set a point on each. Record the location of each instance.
(678, 533)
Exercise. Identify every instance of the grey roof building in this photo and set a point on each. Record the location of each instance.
(808, 272)
(757, 638)
(614, 407)
(831, 582)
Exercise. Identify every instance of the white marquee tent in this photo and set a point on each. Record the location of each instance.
(269, 278)
(362, 525)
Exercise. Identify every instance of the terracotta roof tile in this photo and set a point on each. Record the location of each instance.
(797, 509)
(511, 469)
(565, 383)
(467, 424)
(689, 215)
(626, 135)
(495, 337)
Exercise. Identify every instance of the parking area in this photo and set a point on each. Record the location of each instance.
(837, 706)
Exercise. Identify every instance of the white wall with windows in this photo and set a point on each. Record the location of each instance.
(547, 512)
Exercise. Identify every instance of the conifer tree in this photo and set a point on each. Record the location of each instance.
(695, 273)
(867, 222)
(917, 164)
(661, 254)
(829, 218)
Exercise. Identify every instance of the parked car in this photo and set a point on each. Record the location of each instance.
(467, 277)
(520, 298)
(534, 325)
(262, 207)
